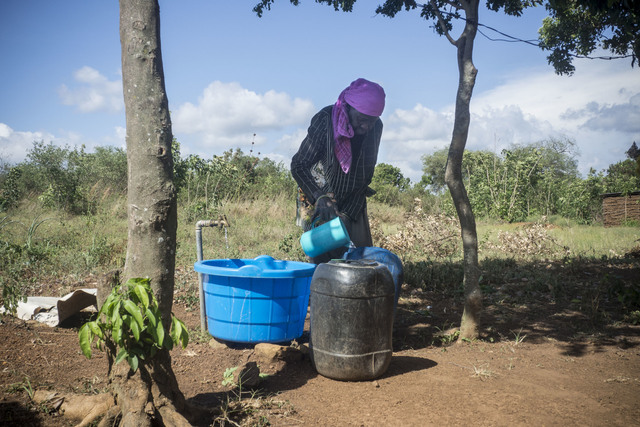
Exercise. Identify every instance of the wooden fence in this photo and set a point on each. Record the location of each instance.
(617, 209)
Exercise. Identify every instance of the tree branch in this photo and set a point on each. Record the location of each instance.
(441, 23)
(455, 5)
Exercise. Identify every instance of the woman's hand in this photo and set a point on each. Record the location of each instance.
(326, 209)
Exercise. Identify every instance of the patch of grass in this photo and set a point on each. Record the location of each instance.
(68, 249)
(199, 336)
(189, 298)
(518, 337)
(555, 232)
(596, 241)
(436, 275)
(633, 317)
(23, 386)
(254, 410)
(482, 372)
(447, 334)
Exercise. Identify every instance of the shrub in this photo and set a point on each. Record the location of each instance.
(129, 326)
(421, 235)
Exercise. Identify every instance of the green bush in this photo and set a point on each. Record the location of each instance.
(129, 326)
(10, 191)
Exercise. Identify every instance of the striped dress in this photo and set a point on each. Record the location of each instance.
(317, 170)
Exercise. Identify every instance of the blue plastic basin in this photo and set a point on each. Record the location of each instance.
(255, 300)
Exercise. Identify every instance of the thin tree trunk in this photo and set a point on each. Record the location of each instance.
(151, 195)
(151, 395)
(470, 322)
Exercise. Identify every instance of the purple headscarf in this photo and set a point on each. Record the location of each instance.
(366, 97)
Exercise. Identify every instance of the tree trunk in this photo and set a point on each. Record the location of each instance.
(151, 395)
(151, 195)
(470, 323)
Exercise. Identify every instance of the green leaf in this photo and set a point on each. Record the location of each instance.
(168, 344)
(179, 332)
(95, 329)
(184, 338)
(153, 331)
(85, 338)
(228, 376)
(122, 354)
(151, 317)
(160, 334)
(115, 314)
(176, 329)
(139, 351)
(105, 306)
(142, 295)
(135, 329)
(138, 281)
(134, 310)
(133, 363)
(117, 330)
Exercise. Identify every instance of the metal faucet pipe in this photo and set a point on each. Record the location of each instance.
(220, 222)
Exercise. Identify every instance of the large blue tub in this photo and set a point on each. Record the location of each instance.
(255, 300)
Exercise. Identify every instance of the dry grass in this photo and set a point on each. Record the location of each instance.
(419, 235)
(529, 240)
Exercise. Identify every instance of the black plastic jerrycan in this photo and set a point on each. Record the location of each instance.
(351, 322)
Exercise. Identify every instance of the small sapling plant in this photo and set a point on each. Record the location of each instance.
(129, 326)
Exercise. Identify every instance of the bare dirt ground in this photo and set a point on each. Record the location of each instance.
(540, 361)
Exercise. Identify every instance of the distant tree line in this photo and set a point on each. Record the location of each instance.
(532, 180)
(75, 181)
(521, 182)
(63, 177)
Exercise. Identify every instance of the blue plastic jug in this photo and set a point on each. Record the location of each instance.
(384, 257)
(324, 238)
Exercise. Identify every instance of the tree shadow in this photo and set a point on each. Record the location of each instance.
(582, 304)
(16, 414)
(209, 400)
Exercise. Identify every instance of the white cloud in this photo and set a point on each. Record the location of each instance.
(117, 139)
(14, 145)
(227, 115)
(93, 92)
(289, 143)
(549, 97)
(410, 134)
(598, 108)
(497, 128)
(624, 116)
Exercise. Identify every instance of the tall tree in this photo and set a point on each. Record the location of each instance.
(433, 167)
(386, 174)
(150, 395)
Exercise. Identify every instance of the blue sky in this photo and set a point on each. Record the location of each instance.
(230, 75)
